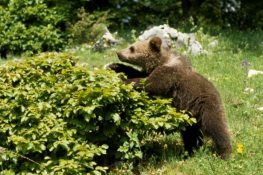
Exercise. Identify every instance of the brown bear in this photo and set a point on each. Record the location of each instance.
(170, 75)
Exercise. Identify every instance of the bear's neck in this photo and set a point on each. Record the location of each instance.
(172, 60)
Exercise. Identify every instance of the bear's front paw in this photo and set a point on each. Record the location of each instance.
(112, 66)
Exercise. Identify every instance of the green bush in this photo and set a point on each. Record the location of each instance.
(31, 26)
(58, 117)
(34, 26)
(88, 27)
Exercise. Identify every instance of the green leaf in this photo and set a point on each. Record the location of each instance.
(116, 118)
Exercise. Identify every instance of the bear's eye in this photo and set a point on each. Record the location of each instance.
(132, 49)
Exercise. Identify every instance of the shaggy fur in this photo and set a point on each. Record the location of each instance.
(170, 75)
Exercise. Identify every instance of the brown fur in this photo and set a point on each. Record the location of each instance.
(170, 75)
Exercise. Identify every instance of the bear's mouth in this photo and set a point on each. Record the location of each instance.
(132, 65)
(125, 61)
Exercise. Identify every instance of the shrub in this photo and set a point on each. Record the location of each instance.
(34, 26)
(89, 27)
(31, 26)
(59, 117)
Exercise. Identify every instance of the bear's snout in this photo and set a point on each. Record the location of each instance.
(120, 56)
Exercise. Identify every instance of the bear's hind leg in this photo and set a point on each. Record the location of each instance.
(214, 125)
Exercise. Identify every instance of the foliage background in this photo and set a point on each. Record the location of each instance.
(33, 26)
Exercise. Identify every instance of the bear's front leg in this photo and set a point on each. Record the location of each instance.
(160, 81)
(129, 71)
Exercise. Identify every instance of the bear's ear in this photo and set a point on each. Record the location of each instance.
(155, 44)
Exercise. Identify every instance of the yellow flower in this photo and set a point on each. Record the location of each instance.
(240, 148)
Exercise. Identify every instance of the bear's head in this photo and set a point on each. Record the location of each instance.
(147, 54)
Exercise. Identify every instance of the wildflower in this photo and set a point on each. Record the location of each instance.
(240, 148)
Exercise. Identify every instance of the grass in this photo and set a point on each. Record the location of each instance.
(222, 66)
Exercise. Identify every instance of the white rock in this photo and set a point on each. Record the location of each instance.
(107, 40)
(195, 48)
(252, 72)
(163, 31)
(172, 38)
